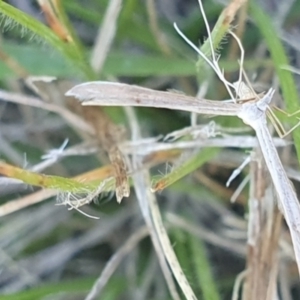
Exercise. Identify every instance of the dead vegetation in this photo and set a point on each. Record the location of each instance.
(180, 230)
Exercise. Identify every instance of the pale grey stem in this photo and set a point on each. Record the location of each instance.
(115, 261)
(238, 284)
(72, 118)
(239, 189)
(289, 203)
(231, 141)
(254, 115)
(238, 171)
(153, 219)
(106, 35)
(31, 199)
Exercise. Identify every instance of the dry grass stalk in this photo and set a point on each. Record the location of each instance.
(253, 113)
(108, 135)
(49, 8)
(263, 236)
(106, 35)
(153, 219)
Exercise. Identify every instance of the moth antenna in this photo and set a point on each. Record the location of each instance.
(242, 58)
(214, 65)
(194, 47)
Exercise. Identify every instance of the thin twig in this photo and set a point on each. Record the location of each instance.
(115, 261)
(17, 204)
(73, 119)
(151, 214)
(106, 35)
(154, 26)
(208, 236)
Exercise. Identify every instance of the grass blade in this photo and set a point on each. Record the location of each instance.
(186, 168)
(69, 50)
(279, 57)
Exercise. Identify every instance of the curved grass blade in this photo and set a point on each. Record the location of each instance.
(218, 33)
(187, 167)
(56, 182)
(69, 50)
(70, 288)
(203, 269)
(279, 57)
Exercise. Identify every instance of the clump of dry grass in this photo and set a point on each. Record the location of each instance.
(109, 160)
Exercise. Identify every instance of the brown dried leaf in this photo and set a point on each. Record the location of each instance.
(108, 135)
(120, 172)
(48, 8)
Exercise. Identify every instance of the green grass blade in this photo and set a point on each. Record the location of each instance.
(74, 286)
(181, 249)
(32, 58)
(218, 33)
(279, 57)
(186, 168)
(203, 270)
(12, 15)
(53, 182)
(75, 289)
